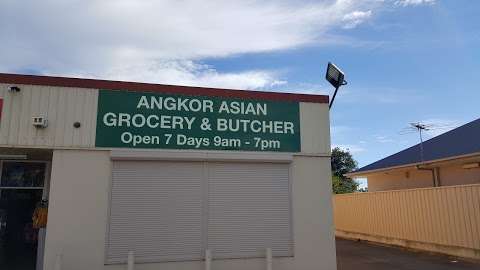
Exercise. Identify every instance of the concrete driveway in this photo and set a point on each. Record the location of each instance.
(354, 255)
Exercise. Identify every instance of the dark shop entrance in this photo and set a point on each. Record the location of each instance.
(23, 212)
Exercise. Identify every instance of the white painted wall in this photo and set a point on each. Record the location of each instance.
(78, 214)
(315, 128)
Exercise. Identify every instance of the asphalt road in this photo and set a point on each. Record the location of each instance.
(355, 255)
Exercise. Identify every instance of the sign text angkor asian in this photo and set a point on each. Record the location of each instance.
(150, 120)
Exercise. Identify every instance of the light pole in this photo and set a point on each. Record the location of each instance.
(336, 78)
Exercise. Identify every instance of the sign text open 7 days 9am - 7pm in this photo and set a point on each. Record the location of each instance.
(151, 120)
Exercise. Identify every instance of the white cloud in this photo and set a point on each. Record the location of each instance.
(166, 41)
(353, 19)
(383, 139)
(306, 88)
(352, 148)
(414, 2)
(187, 72)
(383, 96)
(162, 41)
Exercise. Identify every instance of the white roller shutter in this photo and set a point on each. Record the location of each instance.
(156, 211)
(248, 209)
(174, 210)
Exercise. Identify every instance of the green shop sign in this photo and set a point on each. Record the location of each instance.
(150, 120)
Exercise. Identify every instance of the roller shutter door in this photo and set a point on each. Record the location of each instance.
(173, 211)
(248, 209)
(156, 210)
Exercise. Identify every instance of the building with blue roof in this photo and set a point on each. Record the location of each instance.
(452, 158)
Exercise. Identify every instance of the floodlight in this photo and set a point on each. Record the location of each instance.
(335, 77)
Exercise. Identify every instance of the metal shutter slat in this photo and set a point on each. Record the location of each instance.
(248, 209)
(156, 211)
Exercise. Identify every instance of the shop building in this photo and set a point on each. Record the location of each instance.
(165, 172)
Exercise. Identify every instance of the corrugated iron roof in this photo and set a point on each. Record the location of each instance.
(461, 141)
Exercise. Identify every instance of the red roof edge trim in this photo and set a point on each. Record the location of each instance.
(148, 87)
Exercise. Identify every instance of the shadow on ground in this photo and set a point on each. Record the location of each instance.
(356, 255)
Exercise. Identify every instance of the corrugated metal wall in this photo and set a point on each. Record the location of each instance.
(61, 106)
(448, 216)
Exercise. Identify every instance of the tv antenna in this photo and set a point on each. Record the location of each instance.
(421, 128)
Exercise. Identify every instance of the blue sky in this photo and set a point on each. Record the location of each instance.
(405, 60)
(405, 65)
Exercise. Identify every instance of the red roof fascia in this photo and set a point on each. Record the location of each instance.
(162, 88)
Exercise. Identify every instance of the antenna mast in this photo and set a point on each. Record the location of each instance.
(420, 127)
(423, 127)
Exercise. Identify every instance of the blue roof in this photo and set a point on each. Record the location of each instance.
(463, 140)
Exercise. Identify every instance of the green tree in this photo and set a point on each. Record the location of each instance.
(342, 163)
